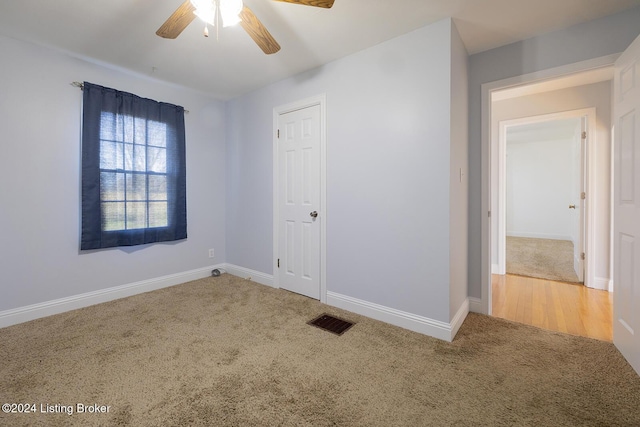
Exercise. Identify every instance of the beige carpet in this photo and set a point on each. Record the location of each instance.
(541, 258)
(228, 352)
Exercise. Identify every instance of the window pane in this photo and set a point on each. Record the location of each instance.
(157, 158)
(111, 155)
(140, 158)
(158, 187)
(136, 215)
(112, 216)
(157, 133)
(128, 157)
(139, 131)
(136, 187)
(124, 129)
(107, 126)
(134, 158)
(111, 186)
(158, 214)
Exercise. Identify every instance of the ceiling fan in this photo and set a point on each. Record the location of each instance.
(229, 12)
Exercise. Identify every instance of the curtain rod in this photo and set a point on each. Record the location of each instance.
(81, 86)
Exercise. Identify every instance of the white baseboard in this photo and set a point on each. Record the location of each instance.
(256, 276)
(435, 328)
(458, 318)
(424, 325)
(602, 283)
(576, 265)
(48, 308)
(495, 269)
(475, 305)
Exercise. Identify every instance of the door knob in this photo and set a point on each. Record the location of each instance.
(572, 206)
(313, 214)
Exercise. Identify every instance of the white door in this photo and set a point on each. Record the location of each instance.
(299, 207)
(626, 298)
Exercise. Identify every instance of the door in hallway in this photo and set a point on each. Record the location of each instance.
(299, 209)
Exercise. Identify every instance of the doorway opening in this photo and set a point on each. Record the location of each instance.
(543, 171)
(536, 292)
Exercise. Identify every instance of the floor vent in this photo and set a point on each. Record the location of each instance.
(331, 324)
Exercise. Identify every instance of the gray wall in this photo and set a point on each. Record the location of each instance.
(601, 37)
(388, 164)
(459, 173)
(540, 183)
(40, 118)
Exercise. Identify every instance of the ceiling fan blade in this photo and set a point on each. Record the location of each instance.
(317, 3)
(178, 21)
(258, 32)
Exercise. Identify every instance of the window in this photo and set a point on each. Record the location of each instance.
(133, 173)
(133, 170)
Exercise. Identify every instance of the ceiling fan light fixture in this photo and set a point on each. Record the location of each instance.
(205, 10)
(230, 11)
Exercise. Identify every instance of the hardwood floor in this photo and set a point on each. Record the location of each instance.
(556, 306)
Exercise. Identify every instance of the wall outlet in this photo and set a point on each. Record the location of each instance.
(211, 253)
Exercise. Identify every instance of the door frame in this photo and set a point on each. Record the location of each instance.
(485, 122)
(321, 101)
(588, 179)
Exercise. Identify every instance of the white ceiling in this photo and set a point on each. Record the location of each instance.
(122, 33)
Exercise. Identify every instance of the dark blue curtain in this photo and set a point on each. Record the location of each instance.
(133, 170)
